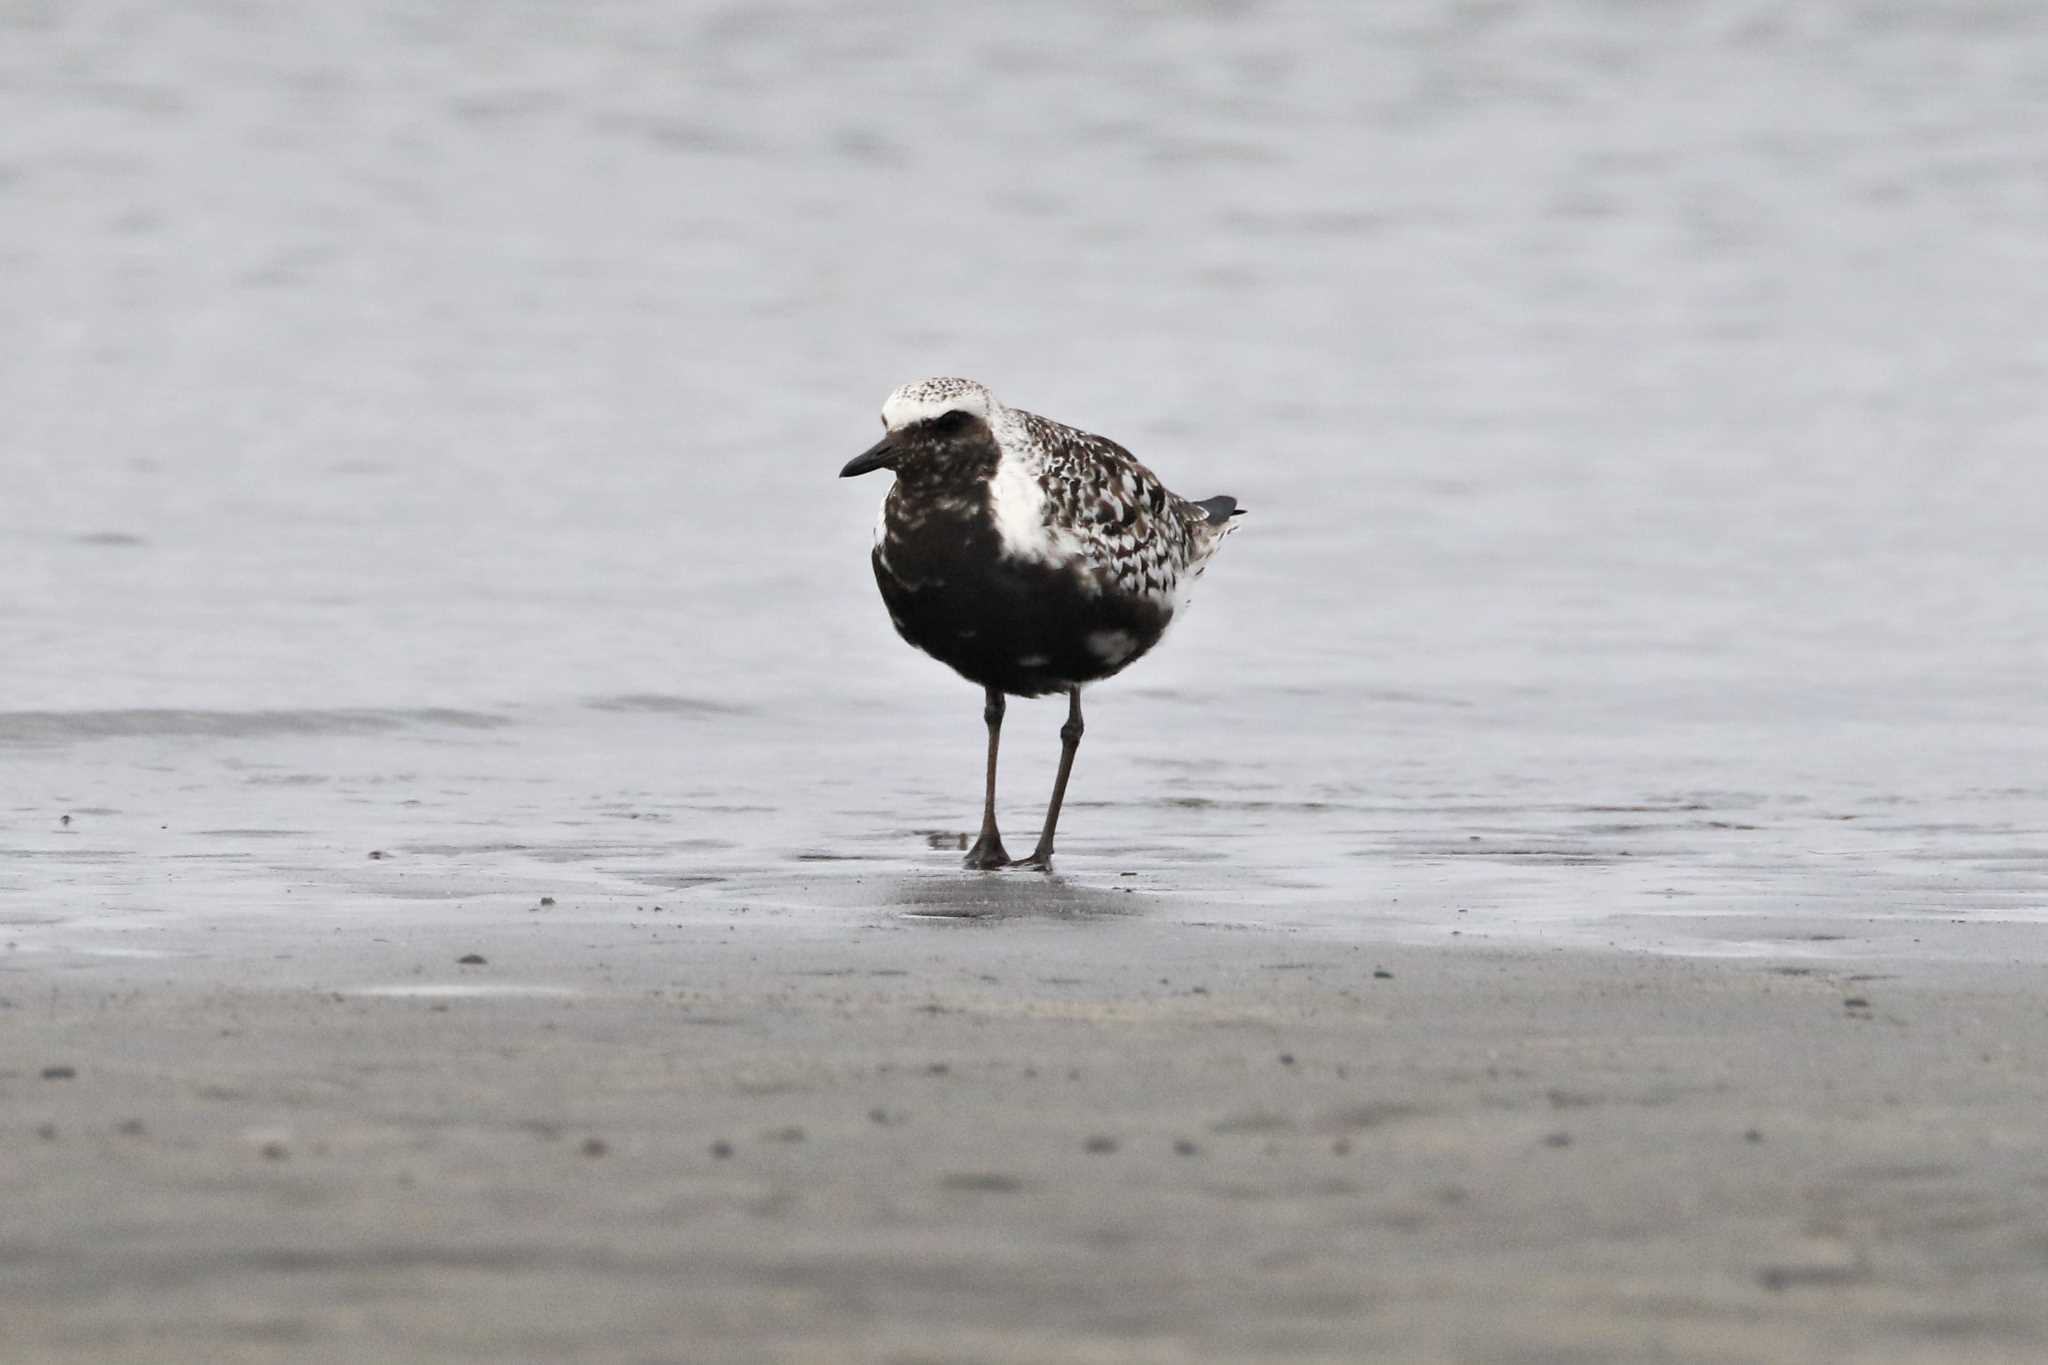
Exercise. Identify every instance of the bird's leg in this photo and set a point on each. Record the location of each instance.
(988, 852)
(1070, 741)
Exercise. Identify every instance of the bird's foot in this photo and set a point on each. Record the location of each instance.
(1039, 861)
(987, 855)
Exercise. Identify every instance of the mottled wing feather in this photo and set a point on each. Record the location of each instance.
(1138, 536)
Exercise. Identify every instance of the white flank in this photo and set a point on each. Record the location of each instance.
(1017, 500)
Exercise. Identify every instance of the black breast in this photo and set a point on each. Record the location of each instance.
(1020, 625)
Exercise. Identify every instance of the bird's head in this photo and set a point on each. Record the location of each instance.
(928, 417)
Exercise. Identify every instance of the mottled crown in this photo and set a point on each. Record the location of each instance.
(929, 398)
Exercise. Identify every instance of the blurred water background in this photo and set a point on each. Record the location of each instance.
(421, 420)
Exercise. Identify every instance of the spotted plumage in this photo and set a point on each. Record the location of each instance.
(1027, 555)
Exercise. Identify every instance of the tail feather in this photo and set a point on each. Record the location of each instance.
(1220, 509)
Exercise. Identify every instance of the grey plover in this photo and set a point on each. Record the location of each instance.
(1027, 556)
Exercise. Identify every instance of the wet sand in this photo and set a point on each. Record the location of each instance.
(1013, 1120)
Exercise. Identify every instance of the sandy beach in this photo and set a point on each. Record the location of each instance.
(1011, 1120)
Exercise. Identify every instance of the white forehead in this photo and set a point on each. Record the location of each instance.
(928, 398)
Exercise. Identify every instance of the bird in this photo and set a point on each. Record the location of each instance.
(1028, 556)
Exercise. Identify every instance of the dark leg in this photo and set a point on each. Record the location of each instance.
(988, 852)
(1070, 740)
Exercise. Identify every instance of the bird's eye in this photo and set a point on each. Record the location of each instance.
(952, 422)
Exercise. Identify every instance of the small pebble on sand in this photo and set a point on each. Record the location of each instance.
(60, 1073)
(1099, 1145)
(470, 960)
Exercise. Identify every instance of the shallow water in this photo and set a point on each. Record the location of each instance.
(422, 428)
